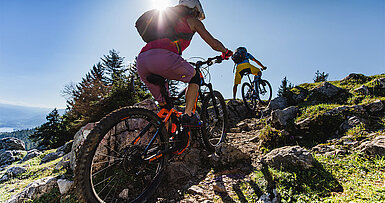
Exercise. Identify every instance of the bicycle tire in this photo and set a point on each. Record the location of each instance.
(248, 96)
(264, 95)
(122, 122)
(215, 124)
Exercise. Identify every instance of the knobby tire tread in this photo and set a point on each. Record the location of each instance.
(84, 158)
(204, 133)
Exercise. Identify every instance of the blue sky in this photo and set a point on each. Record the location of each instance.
(47, 44)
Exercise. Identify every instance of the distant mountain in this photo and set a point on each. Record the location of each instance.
(14, 117)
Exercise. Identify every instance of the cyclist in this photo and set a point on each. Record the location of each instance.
(241, 59)
(163, 57)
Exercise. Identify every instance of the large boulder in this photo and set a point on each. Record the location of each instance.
(51, 156)
(64, 185)
(15, 171)
(327, 92)
(375, 147)
(375, 106)
(280, 118)
(31, 154)
(79, 138)
(34, 190)
(278, 103)
(289, 157)
(10, 156)
(227, 154)
(11, 143)
(237, 112)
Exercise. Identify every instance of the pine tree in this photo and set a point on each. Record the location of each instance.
(114, 67)
(51, 134)
(320, 77)
(284, 87)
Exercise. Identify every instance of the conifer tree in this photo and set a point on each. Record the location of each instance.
(320, 77)
(284, 87)
(51, 134)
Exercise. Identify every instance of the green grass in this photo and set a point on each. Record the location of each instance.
(34, 172)
(348, 178)
(314, 111)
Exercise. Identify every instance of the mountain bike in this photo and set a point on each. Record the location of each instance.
(256, 92)
(123, 158)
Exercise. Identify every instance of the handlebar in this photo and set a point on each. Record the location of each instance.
(209, 61)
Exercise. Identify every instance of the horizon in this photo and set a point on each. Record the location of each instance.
(46, 45)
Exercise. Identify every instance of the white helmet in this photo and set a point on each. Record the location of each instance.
(194, 4)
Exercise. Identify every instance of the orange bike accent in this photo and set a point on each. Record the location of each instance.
(188, 143)
(125, 118)
(173, 128)
(165, 114)
(157, 157)
(137, 140)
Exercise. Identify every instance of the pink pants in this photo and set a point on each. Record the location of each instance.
(166, 64)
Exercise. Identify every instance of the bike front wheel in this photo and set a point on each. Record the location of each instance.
(121, 160)
(215, 120)
(249, 96)
(264, 92)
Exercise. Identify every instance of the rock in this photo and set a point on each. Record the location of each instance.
(278, 103)
(327, 92)
(237, 112)
(64, 163)
(289, 156)
(195, 190)
(350, 123)
(219, 187)
(227, 154)
(34, 190)
(10, 156)
(66, 148)
(11, 143)
(279, 118)
(124, 194)
(375, 147)
(31, 154)
(4, 178)
(270, 198)
(148, 104)
(79, 138)
(355, 76)
(322, 148)
(51, 156)
(64, 185)
(362, 90)
(380, 82)
(375, 106)
(14, 171)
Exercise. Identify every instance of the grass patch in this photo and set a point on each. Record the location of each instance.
(348, 178)
(314, 111)
(34, 172)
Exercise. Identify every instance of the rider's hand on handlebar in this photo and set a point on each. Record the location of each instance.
(226, 55)
(264, 68)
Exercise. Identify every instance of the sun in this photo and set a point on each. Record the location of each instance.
(160, 4)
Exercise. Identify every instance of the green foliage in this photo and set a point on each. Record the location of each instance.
(284, 87)
(320, 77)
(313, 111)
(54, 196)
(22, 135)
(51, 134)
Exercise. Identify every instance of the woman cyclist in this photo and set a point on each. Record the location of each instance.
(163, 57)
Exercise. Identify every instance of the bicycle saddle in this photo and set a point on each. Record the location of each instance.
(156, 79)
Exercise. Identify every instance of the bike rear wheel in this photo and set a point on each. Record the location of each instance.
(249, 96)
(114, 162)
(264, 92)
(215, 120)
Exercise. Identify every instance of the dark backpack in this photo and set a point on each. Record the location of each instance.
(239, 56)
(153, 24)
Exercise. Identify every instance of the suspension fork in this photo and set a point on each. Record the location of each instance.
(211, 92)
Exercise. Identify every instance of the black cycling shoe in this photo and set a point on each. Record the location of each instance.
(190, 121)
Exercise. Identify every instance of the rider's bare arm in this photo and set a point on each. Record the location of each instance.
(197, 26)
(259, 63)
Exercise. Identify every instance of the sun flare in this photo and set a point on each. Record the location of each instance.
(160, 4)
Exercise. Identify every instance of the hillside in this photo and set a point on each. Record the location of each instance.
(320, 142)
(21, 117)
